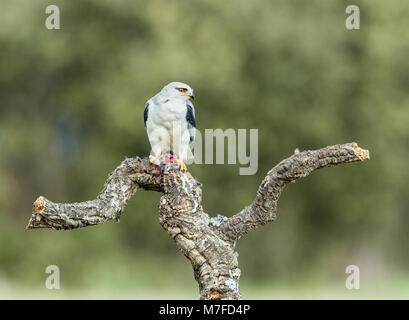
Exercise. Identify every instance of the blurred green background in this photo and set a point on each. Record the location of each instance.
(71, 109)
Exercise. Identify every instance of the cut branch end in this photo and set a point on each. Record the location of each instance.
(362, 154)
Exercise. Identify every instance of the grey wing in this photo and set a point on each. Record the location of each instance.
(191, 120)
(145, 113)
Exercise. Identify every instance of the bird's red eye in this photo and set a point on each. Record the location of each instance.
(181, 89)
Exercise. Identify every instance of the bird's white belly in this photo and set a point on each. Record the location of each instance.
(167, 128)
(169, 114)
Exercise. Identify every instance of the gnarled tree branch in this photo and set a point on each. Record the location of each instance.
(122, 183)
(301, 164)
(207, 242)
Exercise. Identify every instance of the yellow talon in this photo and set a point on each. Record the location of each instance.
(152, 158)
(182, 165)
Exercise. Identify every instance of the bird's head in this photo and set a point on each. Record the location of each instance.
(177, 90)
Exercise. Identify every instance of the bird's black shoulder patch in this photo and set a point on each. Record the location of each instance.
(191, 120)
(145, 113)
(190, 115)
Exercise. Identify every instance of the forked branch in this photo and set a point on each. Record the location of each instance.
(207, 242)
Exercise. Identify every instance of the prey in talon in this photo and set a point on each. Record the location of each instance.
(170, 124)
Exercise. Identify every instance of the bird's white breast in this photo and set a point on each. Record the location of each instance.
(166, 113)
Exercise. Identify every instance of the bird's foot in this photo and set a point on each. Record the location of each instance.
(152, 158)
(155, 161)
(158, 159)
(182, 165)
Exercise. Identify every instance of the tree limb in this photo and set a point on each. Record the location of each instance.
(301, 164)
(122, 183)
(207, 242)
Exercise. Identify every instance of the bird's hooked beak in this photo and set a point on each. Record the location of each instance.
(189, 95)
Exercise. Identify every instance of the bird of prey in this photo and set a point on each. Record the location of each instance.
(170, 123)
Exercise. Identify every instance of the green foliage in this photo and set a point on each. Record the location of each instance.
(71, 108)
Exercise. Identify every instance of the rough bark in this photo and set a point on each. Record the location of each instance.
(207, 242)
